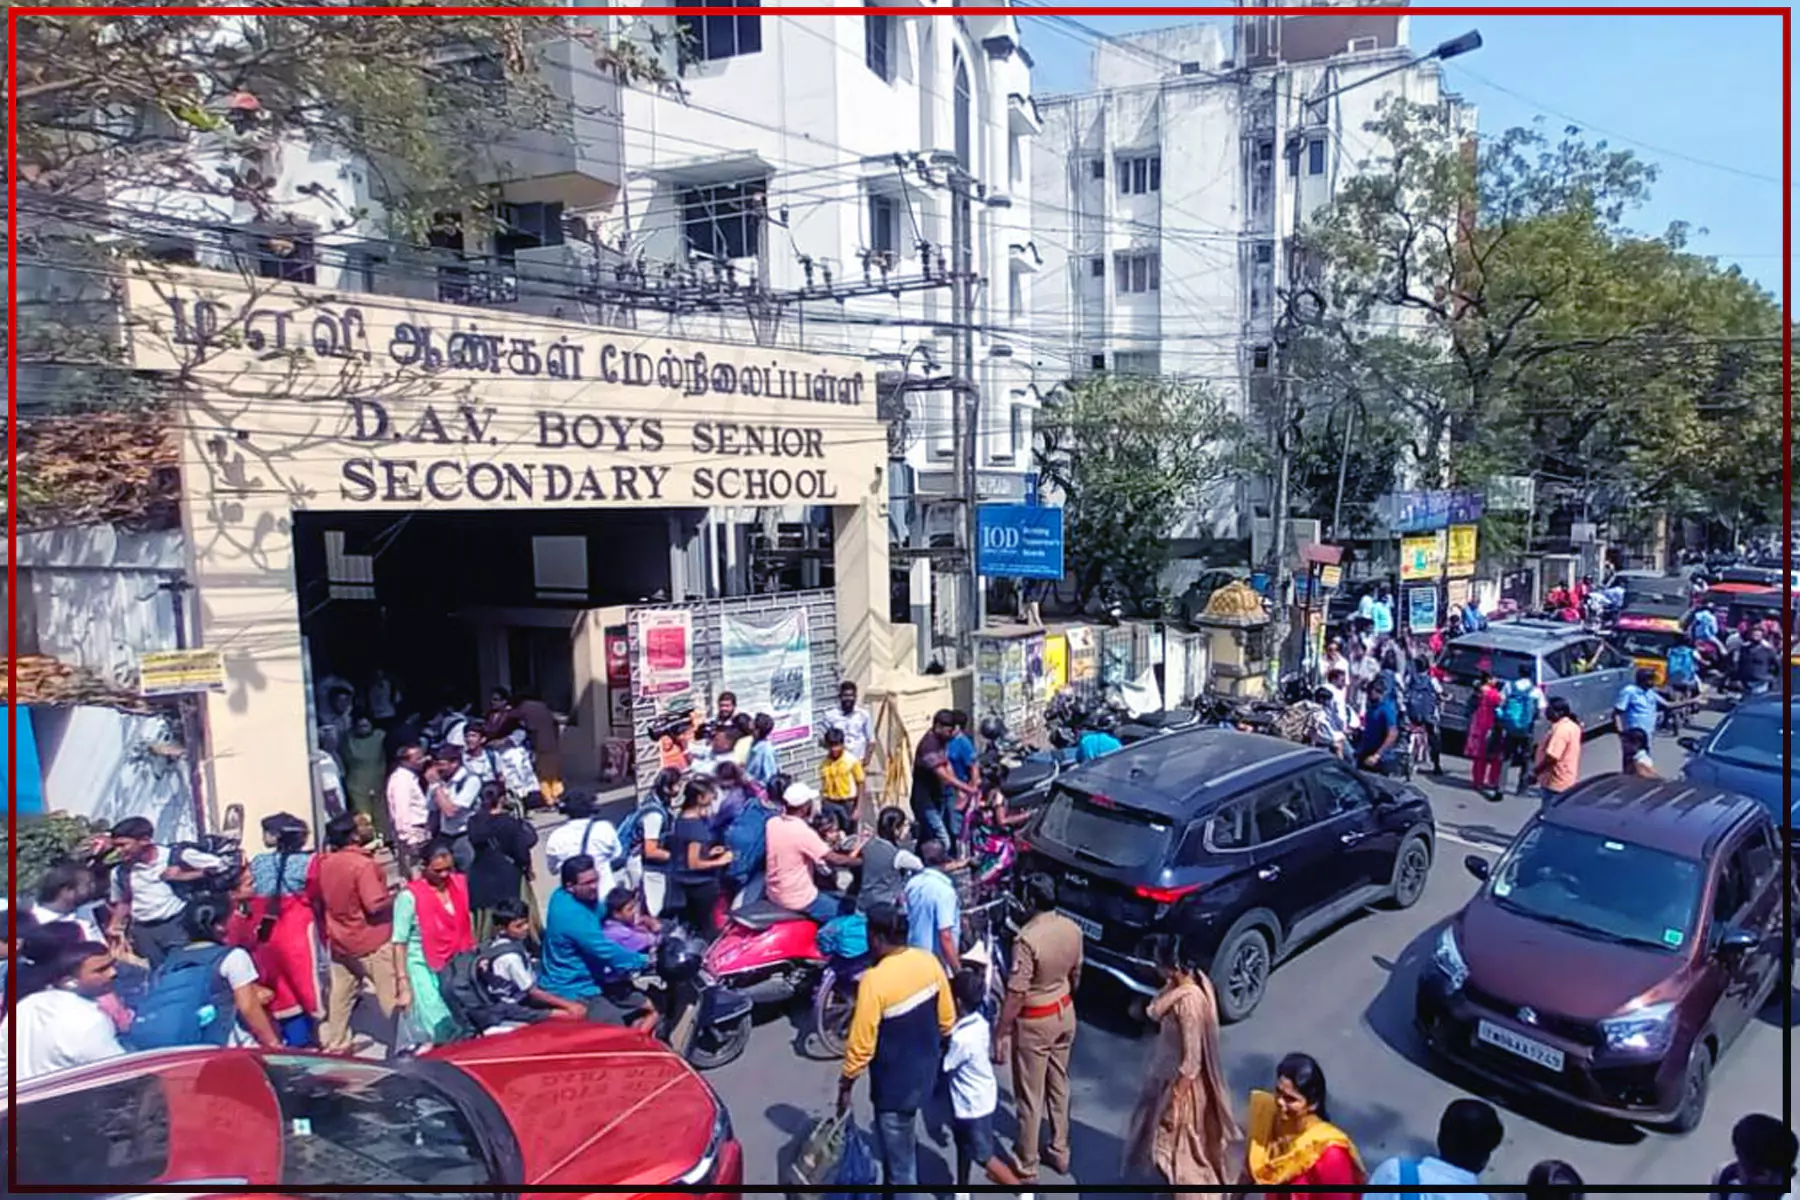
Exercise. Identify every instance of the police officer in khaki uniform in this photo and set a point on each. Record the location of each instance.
(1037, 1025)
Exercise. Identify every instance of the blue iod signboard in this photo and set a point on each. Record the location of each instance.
(1020, 541)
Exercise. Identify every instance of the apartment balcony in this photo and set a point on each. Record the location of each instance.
(579, 162)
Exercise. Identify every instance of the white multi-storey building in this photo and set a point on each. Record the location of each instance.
(811, 158)
(1166, 198)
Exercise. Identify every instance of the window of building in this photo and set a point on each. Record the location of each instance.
(1137, 362)
(1097, 268)
(1097, 168)
(1133, 273)
(1015, 298)
(884, 225)
(527, 227)
(1265, 153)
(1315, 156)
(1259, 358)
(725, 220)
(878, 38)
(1021, 429)
(287, 256)
(1265, 253)
(1015, 159)
(736, 28)
(964, 115)
(1140, 175)
(1097, 362)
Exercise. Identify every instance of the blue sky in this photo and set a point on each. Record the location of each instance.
(1700, 96)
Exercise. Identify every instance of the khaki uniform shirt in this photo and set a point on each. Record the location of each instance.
(1046, 959)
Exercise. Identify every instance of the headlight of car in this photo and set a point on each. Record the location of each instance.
(702, 1171)
(1646, 1030)
(1449, 960)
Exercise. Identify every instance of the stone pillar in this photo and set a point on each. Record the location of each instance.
(860, 554)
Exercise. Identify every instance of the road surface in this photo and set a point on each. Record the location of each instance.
(1346, 1000)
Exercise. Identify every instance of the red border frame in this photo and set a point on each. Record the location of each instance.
(12, 379)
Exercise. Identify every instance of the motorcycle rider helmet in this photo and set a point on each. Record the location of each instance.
(677, 959)
(992, 729)
(1104, 720)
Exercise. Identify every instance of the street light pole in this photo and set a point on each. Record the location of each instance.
(1277, 566)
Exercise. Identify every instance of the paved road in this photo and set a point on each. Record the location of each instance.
(1347, 1001)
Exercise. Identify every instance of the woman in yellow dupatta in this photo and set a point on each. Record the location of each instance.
(1182, 1132)
(1293, 1144)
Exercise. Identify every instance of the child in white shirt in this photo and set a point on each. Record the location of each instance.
(973, 1093)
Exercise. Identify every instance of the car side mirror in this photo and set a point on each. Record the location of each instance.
(1478, 867)
(1690, 744)
(1734, 941)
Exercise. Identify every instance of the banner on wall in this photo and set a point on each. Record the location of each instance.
(1422, 608)
(1422, 557)
(770, 669)
(1463, 543)
(665, 659)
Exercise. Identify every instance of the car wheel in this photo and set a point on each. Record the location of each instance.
(1242, 973)
(1411, 869)
(1695, 1085)
(720, 1045)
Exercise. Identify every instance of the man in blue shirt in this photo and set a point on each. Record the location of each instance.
(581, 962)
(1381, 726)
(933, 916)
(1637, 706)
(961, 753)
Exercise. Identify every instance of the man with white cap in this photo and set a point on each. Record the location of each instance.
(794, 851)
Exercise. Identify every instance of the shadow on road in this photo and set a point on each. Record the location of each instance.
(1390, 1017)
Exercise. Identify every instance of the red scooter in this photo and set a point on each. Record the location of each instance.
(767, 954)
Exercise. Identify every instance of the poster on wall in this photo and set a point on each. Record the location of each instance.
(665, 666)
(1056, 664)
(769, 667)
(1422, 608)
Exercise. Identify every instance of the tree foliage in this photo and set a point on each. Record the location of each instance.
(1495, 304)
(1130, 456)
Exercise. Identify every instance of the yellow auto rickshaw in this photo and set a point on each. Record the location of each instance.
(1645, 634)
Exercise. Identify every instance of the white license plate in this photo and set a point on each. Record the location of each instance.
(1526, 1048)
(1089, 928)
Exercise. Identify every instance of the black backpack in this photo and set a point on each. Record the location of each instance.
(473, 1006)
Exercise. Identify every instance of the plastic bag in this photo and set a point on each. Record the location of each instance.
(815, 1165)
(857, 1167)
(410, 1034)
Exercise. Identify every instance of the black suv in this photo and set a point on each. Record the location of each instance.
(1246, 846)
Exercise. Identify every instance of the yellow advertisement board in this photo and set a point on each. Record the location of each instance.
(173, 672)
(1422, 556)
(1460, 560)
(1056, 664)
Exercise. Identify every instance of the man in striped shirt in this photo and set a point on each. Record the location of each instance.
(903, 1012)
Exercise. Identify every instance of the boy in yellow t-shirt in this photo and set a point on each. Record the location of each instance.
(841, 779)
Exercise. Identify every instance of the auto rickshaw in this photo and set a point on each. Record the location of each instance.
(1645, 633)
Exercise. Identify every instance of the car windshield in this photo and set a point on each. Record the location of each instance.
(1751, 739)
(115, 1135)
(1465, 662)
(1646, 643)
(1605, 888)
(1094, 828)
(359, 1123)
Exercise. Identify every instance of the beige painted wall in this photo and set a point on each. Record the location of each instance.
(300, 399)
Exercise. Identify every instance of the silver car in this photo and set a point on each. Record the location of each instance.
(1565, 660)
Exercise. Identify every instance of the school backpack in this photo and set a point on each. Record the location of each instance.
(631, 829)
(187, 1002)
(1518, 707)
(1421, 698)
(845, 937)
(474, 1005)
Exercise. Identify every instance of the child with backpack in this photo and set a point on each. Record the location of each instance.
(506, 970)
(643, 836)
(1520, 703)
(204, 993)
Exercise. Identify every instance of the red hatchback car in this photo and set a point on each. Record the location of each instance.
(553, 1105)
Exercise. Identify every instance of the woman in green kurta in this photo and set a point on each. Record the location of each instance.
(432, 921)
(365, 772)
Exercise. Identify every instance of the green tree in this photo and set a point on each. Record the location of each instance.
(1537, 334)
(1131, 457)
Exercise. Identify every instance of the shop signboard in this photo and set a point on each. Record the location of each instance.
(1422, 556)
(1019, 541)
(769, 666)
(180, 672)
(1331, 577)
(1459, 560)
(1419, 512)
(665, 665)
(1422, 608)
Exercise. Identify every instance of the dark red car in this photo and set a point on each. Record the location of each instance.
(1616, 950)
(552, 1105)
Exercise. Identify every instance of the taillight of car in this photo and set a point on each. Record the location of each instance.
(1168, 895)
